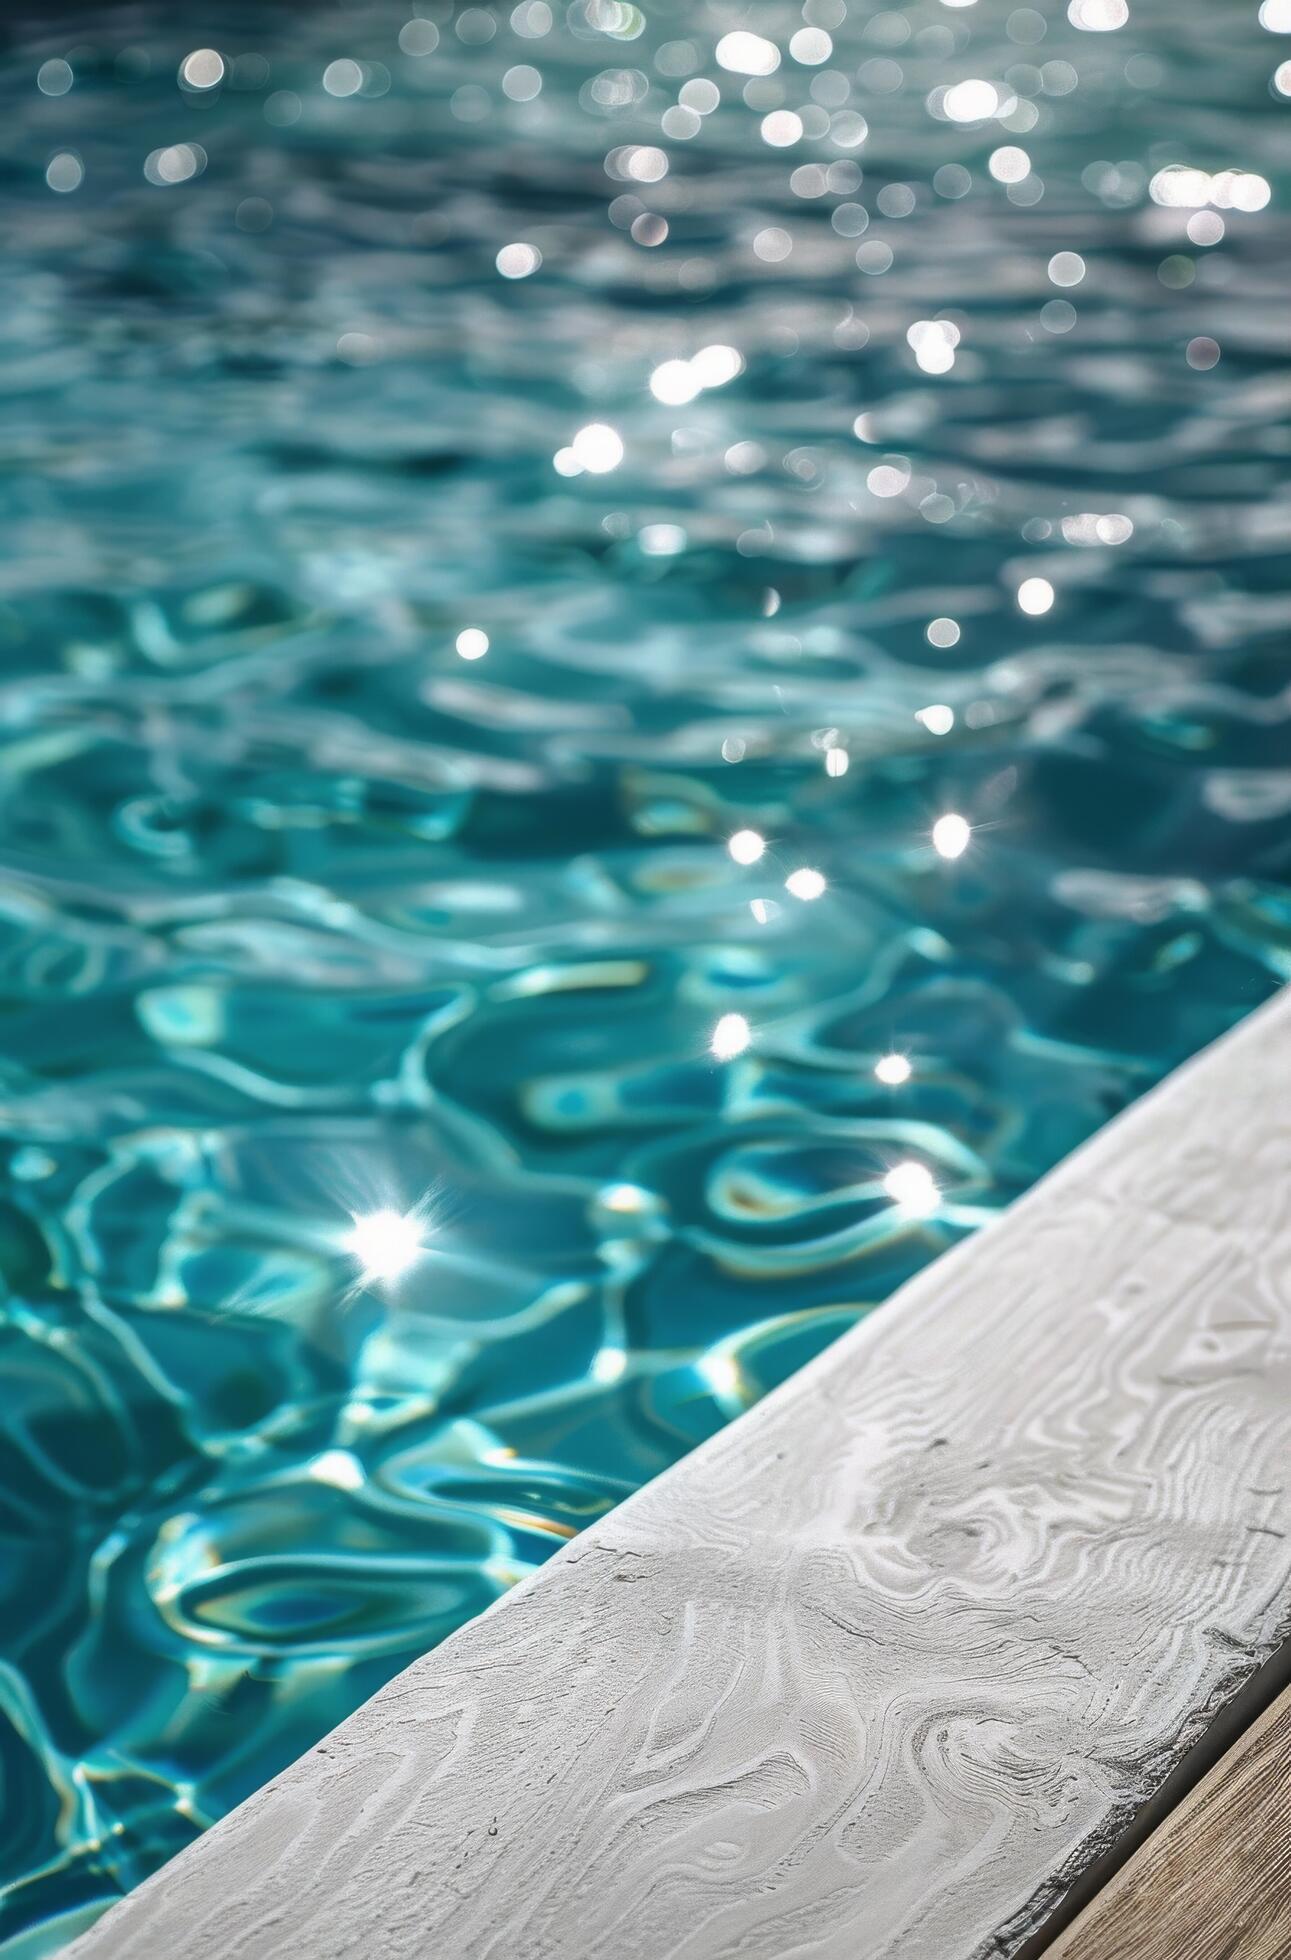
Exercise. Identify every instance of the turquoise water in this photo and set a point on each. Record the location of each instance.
(371, 768)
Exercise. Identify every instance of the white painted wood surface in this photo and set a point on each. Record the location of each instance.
(882, 1668)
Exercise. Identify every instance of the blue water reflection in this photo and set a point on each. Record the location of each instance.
(644, 667)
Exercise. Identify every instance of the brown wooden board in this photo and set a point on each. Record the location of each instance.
(1214, 1881)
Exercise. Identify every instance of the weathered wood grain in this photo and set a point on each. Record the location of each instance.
(884, 1667)
(1214, 1882)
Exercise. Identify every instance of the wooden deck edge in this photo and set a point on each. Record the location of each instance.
(1213, 1882)
(1094, 1898)
(887, 1668)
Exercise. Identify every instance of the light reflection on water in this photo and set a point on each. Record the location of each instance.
(640, 676)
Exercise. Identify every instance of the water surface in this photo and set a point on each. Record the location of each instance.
(370, 768)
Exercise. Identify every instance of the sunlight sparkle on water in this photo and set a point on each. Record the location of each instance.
(743, 53)
(731, 1037)
(341, 1468)
(675, 383)
(951, 835)
(598, 448)
(386, 1243)
(721, 1372)
(202, 69)
(714, 366)
(973, 101)
(624, 1198)
(912, 1186)
(746, 846)
(609, 1364)
(518, 260)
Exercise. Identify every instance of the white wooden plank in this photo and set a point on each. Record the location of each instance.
(885, 1666)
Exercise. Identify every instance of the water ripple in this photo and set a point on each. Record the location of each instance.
(312, 909)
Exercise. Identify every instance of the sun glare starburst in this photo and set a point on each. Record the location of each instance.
(386, 1243)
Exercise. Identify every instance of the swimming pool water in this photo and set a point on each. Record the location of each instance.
(520, 530)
